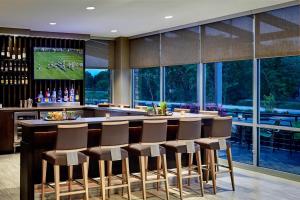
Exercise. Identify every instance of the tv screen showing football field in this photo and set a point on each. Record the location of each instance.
(58, 63)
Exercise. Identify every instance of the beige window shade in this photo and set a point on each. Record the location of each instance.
(227, 40)
(278, 32)
(180, 47)
(145, 52)
(99, 54)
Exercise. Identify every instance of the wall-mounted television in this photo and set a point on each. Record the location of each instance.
(58, 63)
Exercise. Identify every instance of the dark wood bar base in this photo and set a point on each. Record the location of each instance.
(37, 139)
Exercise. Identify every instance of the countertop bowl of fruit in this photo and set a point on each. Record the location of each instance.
(54, 116)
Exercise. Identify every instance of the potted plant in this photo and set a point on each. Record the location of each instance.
(163, 107)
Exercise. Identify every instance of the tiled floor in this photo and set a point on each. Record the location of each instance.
(249, 186)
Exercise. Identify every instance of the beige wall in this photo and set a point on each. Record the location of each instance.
(122, 73)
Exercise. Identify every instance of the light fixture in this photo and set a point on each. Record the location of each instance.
(168, 17)
(52, 23)
(90, 8)
(114, 31)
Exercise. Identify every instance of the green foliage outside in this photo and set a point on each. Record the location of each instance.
(97, 88)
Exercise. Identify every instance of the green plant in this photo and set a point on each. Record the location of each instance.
(269, 102)
(163, 105)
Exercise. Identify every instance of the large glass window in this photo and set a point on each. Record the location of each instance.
(279, 150)
(229, 89)
(241, 145)
(97, 86)
(181, 86)
(146, 86)
(280, 91)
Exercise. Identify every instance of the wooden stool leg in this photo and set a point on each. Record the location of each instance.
(128, 178)
(102, 177)
(146, 166)
(44, 177)
(217, 160)
(57, 180)
(109, 173)
(143, 175)
(199, 166)
(165, 168)
(191, 156)
(70, 176)
(213, 170)
(158, 162)
(229, 159)
(179, 172)
(85, 179)
(207, 162)
(123, 175)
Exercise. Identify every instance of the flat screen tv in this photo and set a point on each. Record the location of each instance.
(58, 63)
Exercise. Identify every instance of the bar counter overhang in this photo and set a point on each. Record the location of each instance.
(39, 136)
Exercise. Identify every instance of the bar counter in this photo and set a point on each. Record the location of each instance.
(39, 136)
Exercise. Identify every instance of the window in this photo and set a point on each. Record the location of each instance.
(181, 85)
(97, 86)
(280, 91)
(229, 89)
(146, 86)
(279, 150)
(241, 145)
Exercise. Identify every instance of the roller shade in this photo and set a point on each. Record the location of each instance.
(145, 52)
(227, 40)
(180, 47)
(278, 32)
(99, 54)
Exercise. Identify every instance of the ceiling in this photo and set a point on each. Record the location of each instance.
(129, 17)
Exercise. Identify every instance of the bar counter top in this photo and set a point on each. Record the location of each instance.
(95, 120)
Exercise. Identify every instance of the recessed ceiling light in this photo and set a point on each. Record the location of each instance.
(168, 17)
(90, 8)
(52, 23)
(114, 31)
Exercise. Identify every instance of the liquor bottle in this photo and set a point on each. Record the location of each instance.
(8, 48)
(14, 49)
(22, 67)
(2, 80)
(18, 67)
(15, 80)
(72, 94)
(24, 51)
(19, 80)
(59, 95)
(40, 97)
(2, 66)
(53, 97)
(19, 50)
(26, 68)
(6, 67)
(22, 80)
(6, 80)
(3, 49)
(26, 80)
(77, 96)
(66, 95)
(10, 66)
(10, 80)
(47, 95)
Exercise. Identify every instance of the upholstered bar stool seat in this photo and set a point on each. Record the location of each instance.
(99, 153)
(210, 143)
(60, 158)
(179, 146)
(144, 149)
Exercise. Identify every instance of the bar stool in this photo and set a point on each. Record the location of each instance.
(114, 136)
(219, 131)
(189, 131)
(154, 133)
(71, 139)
